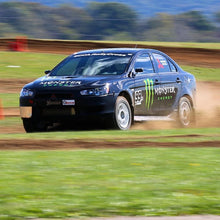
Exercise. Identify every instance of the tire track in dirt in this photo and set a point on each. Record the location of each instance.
(29, 144)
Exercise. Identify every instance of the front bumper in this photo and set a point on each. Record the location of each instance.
(85, 106)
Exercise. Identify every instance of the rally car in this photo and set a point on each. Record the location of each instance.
(117, 86)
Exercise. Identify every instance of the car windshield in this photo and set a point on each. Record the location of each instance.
(92, 64)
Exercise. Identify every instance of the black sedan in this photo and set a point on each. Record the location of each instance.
(116, 86)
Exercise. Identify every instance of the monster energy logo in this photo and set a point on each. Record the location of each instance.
(149, 87)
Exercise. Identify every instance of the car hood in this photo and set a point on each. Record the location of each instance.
(61, 82)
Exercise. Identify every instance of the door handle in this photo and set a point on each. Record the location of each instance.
(178, 80)
(156, 82)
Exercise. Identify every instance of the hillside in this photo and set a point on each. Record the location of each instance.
(103, 21)
(146, 8)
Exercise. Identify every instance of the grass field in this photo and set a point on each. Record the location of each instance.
(142, 181)
(9, 99)
(26, 65)
(203, 74)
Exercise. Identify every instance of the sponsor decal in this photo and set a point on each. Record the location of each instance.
(164, 97)
(68, 102)
(165, 93)
(53, 102)
(164, 90)
(158, 93)
(102, 54)
(149, 88)
(160, 65)
(63, 83)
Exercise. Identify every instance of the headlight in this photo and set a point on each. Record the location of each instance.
(26, 93)
(100, 91)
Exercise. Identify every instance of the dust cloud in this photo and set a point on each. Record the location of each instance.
(207, 109)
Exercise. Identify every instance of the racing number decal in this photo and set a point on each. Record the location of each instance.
(138, 97)
(149, 88)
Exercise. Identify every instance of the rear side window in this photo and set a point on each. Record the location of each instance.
(172, 67)
(162, 63)
(144, 61)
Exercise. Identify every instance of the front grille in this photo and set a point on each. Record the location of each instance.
(52, 99)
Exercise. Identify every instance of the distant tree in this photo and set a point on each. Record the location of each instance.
(197, 20)
(190, 26)
(75, 19)
(217, 15)
(110, 18)
(158, 28)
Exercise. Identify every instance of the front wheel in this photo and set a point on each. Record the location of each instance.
(185, 112)
(123, 115)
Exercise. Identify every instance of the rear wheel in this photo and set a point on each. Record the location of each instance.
(185, 112)
(122, 115)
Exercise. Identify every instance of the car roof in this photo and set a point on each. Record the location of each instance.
(117, 50)
(131, 51)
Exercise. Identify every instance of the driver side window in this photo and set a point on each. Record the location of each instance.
(144, 61)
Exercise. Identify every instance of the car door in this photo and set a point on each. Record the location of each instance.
(146, 81)
(170, 83)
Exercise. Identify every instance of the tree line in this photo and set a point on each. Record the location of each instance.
(104, 21)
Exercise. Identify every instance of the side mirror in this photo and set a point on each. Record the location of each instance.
(139, 70)
(47, 71)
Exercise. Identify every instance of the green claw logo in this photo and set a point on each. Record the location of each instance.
(149, 87)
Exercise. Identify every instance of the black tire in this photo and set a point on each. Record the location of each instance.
(186, 114)
(122, 115)
(31, 125)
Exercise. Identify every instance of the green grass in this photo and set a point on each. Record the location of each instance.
(10, 99)
(26, 65)
(123, 182)
(203, 74)
(10, 122)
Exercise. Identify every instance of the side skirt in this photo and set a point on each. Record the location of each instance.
(170, 117)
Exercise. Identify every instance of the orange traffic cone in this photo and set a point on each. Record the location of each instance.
(1, 111)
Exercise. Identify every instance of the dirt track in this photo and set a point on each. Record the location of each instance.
(28, 144)
(190, 56)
